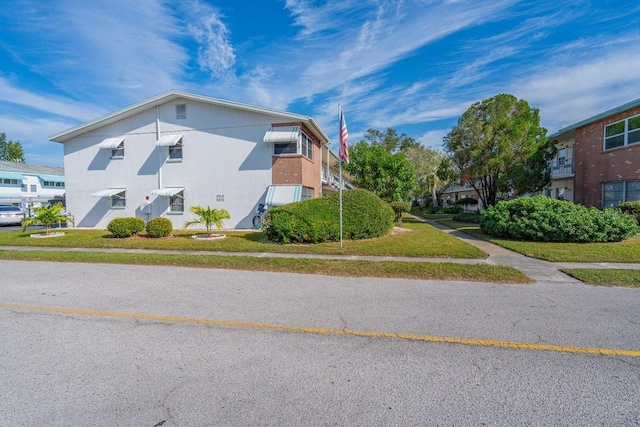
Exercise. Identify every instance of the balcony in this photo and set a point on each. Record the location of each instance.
(332, 180)
(562, 168)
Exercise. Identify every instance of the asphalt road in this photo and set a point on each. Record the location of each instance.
(150, 346)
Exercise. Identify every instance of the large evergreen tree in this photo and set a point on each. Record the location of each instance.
(10, 150)
(498, 145)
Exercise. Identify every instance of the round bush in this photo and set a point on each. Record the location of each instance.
(125, 227)
(364, 215)
(542, 218)
(159, 227)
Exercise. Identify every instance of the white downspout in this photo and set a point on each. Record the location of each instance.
(159, 151)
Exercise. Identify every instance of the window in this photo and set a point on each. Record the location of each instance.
(306, 145)
(614, 193)
(181, 111)
(175, 151)
(33, 188)
(285, 148)
(119, 200)
(562, 156)
(624, 132)
(23, 188)
(7, 181)
(176, 203)
(307, 193)
(52, 184)
(118, 152)
(303, 146)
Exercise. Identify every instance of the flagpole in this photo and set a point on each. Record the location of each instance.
(340, 157)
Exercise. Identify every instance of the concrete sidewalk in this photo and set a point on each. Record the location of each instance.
(536, 269)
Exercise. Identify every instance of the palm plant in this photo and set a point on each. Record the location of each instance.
(46, 216)
(208, 217)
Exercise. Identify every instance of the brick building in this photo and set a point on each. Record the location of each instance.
(598, 160)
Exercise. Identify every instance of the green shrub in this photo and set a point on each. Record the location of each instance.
(541, 218)
(469, 217)
(632, 208)
(125, 227)
(398, 209)
(451, 209)
(318, 220)
(159, 227)
(466, 201)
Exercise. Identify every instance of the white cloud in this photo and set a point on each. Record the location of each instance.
(33, 136)
(433, 138)
(215, 53)
(47, 103)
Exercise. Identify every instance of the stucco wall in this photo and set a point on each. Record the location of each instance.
(224, 158)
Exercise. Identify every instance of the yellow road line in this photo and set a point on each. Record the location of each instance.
(326, 331)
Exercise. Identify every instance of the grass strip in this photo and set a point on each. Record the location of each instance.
(627, 251)
(606, 277)
(416, 239)
(342, 268)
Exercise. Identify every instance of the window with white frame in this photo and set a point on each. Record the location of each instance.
(7, 181)
(285, 148)
(181, 111)
(52, 184)
(306, 145)
(176, 203)
(119, 200)
(303, 146)
(307, 193)
(624, 132)
(175, 151)
(33, 188)
(614, 193)
(118, 152)
(562, 156)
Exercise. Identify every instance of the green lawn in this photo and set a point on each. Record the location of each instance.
(422, 241)
(627, 251)
(344, 268)
(601, 277)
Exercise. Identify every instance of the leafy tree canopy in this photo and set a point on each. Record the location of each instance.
(390, 176)
(10, 150)
(499, 145)
(426, 162)
(390, 140)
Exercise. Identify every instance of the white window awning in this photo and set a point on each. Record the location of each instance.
(168, 140)
(282, 134)
(108, 192)
(278, 195)
(11, 175)
(52, 178)
(111, 143)
(167, 192)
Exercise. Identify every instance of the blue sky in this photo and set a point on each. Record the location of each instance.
(408, 64)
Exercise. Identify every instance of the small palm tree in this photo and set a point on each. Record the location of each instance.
(46, 216)
(208, 217)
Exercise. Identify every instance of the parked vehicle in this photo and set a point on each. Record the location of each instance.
(11, 215)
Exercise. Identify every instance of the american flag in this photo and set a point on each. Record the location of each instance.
(344, 137)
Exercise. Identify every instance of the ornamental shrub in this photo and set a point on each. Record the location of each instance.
(364, 215)
(159, 227)
(125, 227)
(542, 218)
(398, 209)
(632, 208)
(468, 217)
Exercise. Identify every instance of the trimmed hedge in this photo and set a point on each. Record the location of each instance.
(364, 215)
(159, 227)
(468, 217)
(542, 218)
(632, 208)
(125, 227)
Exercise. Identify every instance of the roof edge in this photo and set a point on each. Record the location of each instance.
(611, 112)
(174, 94)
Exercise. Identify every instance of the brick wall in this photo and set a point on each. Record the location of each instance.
(595, 166)
(298, 169)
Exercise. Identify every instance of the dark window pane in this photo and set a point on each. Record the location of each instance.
(616, 141)
(614, 129)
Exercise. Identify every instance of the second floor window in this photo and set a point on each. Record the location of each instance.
(118, 152)
(624, 132)
(175, 151)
